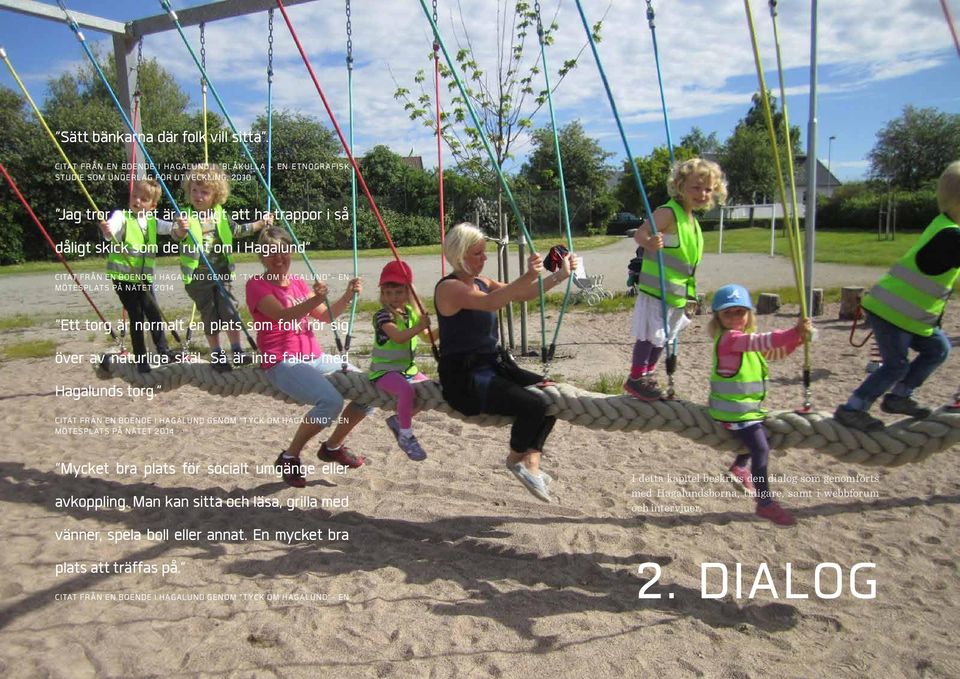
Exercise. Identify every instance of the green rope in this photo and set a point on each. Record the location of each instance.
(493, 161)
(353, 178)
(563, 186)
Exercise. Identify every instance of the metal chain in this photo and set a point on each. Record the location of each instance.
(650, 14)
(136, 88)
(270, 45)
(203, 55)
(349, 38)
(540, 33)
(436, 44)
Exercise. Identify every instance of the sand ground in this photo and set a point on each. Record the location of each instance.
(448, 568)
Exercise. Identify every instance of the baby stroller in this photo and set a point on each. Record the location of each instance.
(588, 289)
(633, 273)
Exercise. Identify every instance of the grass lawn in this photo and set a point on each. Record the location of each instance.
(843, 247)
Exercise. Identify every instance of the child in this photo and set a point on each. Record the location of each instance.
(207, 189)
(282, 306)
(396, 328)
(738, 385)
(130, 265)
(694, 184)
(904, 310)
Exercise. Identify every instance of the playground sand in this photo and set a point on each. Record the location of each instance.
(448, 568)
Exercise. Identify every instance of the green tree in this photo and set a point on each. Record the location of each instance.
(308, 174)
(916, 147)
(654, 171)
(585, 172)
(699, 143)
(747, 159)
(15, 143)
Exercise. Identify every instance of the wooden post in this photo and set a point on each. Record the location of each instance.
(816, 303)
(767, 303)
(850, 298)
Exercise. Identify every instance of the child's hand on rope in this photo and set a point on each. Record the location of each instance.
(354, 287)
(320, 289)
(182, 225)
(805, 329)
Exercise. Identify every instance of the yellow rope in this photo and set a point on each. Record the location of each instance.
(793, 230)
(768, 115)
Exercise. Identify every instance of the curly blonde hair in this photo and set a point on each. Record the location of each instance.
(948, 191)
(210, 176)
(706, 170)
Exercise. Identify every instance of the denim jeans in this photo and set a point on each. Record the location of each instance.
(894, 343)
(306, 381)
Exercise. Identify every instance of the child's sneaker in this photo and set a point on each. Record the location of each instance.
(411, 447)
(393, 424)
(860, 420)
(343, 455)
(220, 362)
(776, 514)
(741, 477)
(292, 471)
(904, 405)
(643, 388)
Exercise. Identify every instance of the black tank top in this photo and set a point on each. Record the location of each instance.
(469, 331)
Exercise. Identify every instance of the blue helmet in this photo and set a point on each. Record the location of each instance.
(731, 295)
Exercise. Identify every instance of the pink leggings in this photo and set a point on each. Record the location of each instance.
(395, 384)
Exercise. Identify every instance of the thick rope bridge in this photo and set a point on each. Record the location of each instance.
(901, 443)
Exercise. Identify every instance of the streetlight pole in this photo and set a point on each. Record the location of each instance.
(829, 154)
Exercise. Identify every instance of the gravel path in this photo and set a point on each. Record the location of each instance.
(54, 291)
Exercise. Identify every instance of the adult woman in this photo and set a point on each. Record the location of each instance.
(476, 375)
(296, 365)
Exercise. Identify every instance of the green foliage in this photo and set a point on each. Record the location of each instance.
(505, 98)
(859, 207)
(406, 230)
(308, 173)
(747, 159)
(916, 147)
(654, 171)
(585, 176)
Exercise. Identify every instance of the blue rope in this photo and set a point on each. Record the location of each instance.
(663, 100)
(636, 172)
(143, 149)
(269, 106)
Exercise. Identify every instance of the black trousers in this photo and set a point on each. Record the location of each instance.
(138, 300)
(495, 385)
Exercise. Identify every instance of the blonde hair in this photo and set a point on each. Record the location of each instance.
(715, 326)
(211, 176)
(948, 191)
(458, 240)
(707, 170)
(150, 187)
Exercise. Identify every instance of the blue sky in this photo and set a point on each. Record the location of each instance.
(875, 58)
